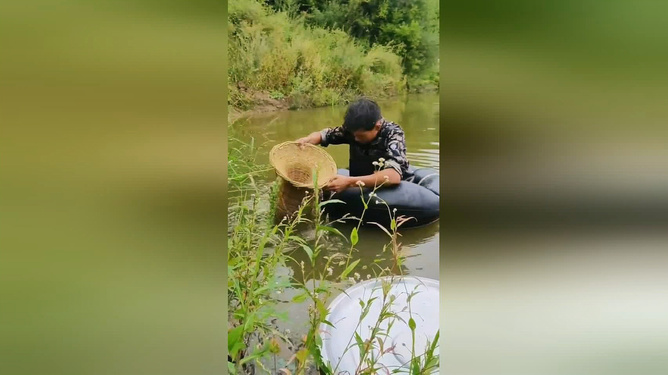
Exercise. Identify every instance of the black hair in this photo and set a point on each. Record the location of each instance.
(362, 114)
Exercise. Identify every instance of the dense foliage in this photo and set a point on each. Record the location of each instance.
(409, 27)
(313, 53)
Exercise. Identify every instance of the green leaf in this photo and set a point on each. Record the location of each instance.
(257, 354)
(301, 355)
(330, 229)
(231, 370)
(296, 239)
(381, 227)
(434, 344)
(250, 320)
(411, 324)
(366, 309)
(308, 251)
(349, 269)
(234, 335)
(299, 298)
(380, 345)
(415, 365)
(393, 225)
(235, 340)
(272, 285)
(353, 236)
(330, 201)
(322, 310)
(314, 173)
(358, 340)
(323, 288)
(386, 286)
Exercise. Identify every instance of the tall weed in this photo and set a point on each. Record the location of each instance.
(269, 52)
(257, 249)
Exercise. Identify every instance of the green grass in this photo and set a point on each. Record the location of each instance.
(271, 53)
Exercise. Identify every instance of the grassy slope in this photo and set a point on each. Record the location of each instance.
(276, 61)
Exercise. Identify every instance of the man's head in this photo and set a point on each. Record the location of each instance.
(363, 120)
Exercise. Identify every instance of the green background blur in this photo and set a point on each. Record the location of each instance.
(555, 207)
(112, 194)
(113, 187)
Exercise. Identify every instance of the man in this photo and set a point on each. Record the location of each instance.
(373, 142)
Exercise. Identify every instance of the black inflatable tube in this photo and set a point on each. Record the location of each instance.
(418, 200)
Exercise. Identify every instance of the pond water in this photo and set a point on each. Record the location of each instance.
(418, 115)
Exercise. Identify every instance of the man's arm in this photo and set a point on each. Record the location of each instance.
(386, 177)
(395, 154)
(313, 138)
(326, 137)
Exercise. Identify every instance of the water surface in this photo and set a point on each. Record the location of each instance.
(418, 116)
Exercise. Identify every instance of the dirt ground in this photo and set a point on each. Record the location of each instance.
(263, 102)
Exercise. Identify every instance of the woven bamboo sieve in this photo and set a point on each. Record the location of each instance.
(296, 164)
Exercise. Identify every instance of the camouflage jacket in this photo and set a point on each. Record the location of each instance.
(389, 144)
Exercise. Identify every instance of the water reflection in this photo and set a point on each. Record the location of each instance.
(417, 246)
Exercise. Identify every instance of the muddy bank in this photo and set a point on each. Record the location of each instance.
(263, 102)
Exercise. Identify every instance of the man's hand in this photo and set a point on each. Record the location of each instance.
(339, 183)
(303, 141)
(313, 138)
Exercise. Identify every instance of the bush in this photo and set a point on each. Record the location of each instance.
(308, 65)
(409, 27)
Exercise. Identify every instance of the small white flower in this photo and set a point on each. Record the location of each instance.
(372, 194)
(368, 276)
(302, 264)
(330, 271)
(381, 160)
(377, 201)
(351, 279)
(394, 210)
(374, 163)
(360, 183)
(357, 275)
(386, 178)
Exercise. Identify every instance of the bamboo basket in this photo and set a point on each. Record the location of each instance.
(296, 166)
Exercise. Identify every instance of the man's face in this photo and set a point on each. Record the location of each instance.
(366, 136)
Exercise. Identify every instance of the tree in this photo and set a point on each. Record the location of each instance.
(409, 27)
